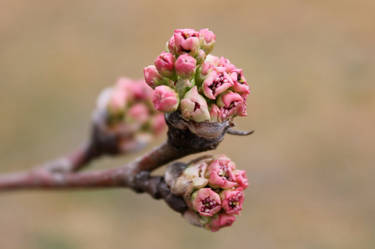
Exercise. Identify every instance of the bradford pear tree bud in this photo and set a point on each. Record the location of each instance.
(194, 106)
(165, 99)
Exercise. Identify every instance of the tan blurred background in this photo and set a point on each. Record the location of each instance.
(311, 161)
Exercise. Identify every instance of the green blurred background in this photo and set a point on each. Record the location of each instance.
(311, 161)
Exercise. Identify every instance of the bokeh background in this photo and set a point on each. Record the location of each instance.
(311, 161)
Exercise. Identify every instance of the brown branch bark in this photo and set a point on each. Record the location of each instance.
(184, 138)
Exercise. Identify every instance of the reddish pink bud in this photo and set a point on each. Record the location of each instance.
(241, 178)
(186, 41)
(194, 106)
(165, 99)
(158, 123)
(185, 66)
(220, 173)
(232, 201)
(142, 91)
(240, 84)
(165, 64)
(215, 113)
(216, 83)
(232, 104)
(152, 76)
(225, 63)
(206, 202)
(220, 221)
(208, 39)
(139, 112)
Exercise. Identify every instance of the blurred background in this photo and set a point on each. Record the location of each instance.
(311, 161)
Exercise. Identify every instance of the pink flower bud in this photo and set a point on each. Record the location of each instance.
(136, 89)
(220, 173)
(241, 178)
(216, 83)
(232, 201)
(152, 76)
(186, 41)
(118, 101)
(165, 99)
(194, 106)
(185, 66)
(225, 63)
(158, 123)
(220, 221)
(240, 84)
(171, 45)
(232, 104)
(139, 112)
(215, 113)
(208, 39)
(206, 202)
(165, 64)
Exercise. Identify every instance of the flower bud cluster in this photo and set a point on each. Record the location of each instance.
(202, 87)
(128, 104)
(213, 189)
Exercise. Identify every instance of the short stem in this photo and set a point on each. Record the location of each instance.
(159, 156)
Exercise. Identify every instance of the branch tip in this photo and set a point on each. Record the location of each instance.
(234, 132)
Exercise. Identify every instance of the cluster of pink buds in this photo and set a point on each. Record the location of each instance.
(200, 86)
(213, 189)
(128, 105)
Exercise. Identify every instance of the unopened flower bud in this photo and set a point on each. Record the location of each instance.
(219, 221)
(208, 39)
(232, 104)
(226, 64)
(220, 173)
(165, 99)
(196, 174)
(185, 66)
(152, 76)
(240, 84)
(206, 202)
(241, 178)
(117, 102)
(194, 106)
(164, 63)
(232, 201)
(139, 113)
(186, 41)
(216, 83)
